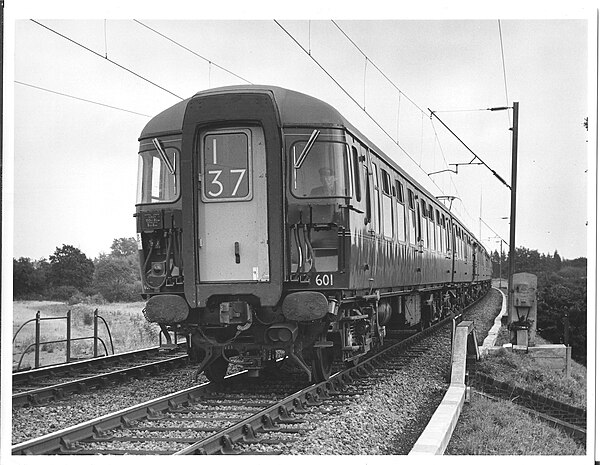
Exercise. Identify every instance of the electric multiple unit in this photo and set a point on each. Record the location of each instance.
(268, 224)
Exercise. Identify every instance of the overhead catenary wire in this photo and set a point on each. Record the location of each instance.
(400, 94)
(504, 69)
(432, 113)
(81, 99)
(377, 67)
(497, 235)
(106, 58)
(105, 41)
(469, 149)
(343, 89)
(210, 62)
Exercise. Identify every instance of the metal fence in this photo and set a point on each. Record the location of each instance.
(69, 340)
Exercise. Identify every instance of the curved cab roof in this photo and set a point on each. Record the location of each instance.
(294, 108)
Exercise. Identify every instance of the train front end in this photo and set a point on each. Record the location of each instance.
(210, 224)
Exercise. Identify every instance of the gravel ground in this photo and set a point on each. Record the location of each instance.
(390, 416)
(31, 422)
(387, 419)
(484, 313)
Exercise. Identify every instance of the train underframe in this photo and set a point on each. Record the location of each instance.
(351, 328)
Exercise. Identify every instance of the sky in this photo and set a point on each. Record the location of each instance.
(71, 164)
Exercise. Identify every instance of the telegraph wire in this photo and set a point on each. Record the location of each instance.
(356, 102)
(81, 99)
(211, 63)
(105, 58)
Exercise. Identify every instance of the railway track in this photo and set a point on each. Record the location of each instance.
(43, 385)
(571, 419)
(242, 415)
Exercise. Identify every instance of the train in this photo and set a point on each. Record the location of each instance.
(268, 226)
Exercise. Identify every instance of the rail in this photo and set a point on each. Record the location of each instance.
(37, 344)
(222, 438)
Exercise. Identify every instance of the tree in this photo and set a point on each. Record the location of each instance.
(29, 278)
(495, 264)
(123, 247)
(70, 267)
(556, 260)
(116, 279)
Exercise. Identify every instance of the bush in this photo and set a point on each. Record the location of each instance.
(77, 298)
(563, 296)
(62, 293)
(123, 293)
(95, 299)
(88, 318)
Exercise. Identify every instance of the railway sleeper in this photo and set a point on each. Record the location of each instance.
(198, 429)
(114, 439)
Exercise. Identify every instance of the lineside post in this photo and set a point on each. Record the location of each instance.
(513, 207)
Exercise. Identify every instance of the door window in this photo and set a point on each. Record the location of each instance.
(225, 166)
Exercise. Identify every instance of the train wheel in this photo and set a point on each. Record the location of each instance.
(322, 363)
(216, 371)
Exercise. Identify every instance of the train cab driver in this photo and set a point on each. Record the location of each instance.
(329, 184)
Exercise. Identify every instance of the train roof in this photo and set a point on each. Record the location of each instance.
(295, 109)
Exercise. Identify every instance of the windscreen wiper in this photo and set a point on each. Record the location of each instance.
(163, 155)
(307, 147)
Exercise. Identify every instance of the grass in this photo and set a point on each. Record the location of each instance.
(128, 328)
(524, 372)
(486, 427)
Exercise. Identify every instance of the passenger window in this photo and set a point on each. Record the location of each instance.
(387, 212)
(412, 229)
(399, 191)
(424, 225)
(401, 221)
(385, 182)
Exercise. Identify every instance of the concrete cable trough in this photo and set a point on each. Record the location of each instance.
(437, 434)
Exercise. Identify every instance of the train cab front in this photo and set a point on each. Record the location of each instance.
(317, 207)
(243, 233)
(159, 229)
(318, 211)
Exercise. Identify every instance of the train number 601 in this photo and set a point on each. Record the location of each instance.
(324, 280)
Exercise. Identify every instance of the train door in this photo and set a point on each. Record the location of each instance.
(232, 205)
(419, 251)
(454, 250)
(475, 260)
(373, 215)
